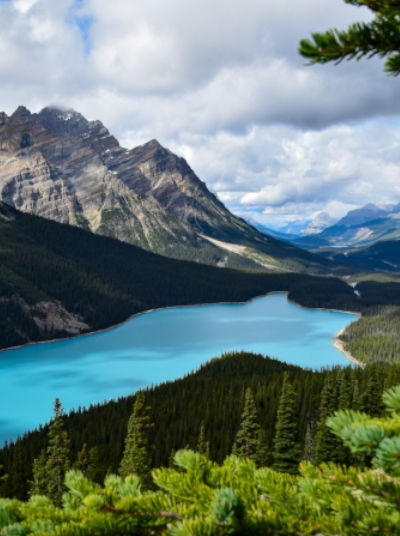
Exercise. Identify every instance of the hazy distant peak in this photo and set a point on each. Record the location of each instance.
(320, 222)
(362, 215)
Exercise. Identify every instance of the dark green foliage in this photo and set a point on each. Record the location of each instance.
(246, 443)
(178, 408)
(39, 480)
(201, 498)
(57, 455)
(83, 460)
(327, 447)
(376, 336)
(136, 457)
(264, 454)
(345, 390)
(2, 476)
(104, 281)
(371, 398)
(380, 36)
(383, 256)
(203, 446)
(286, 451)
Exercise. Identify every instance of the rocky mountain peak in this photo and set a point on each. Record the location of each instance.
(62, 122)
(21, 113)
(59, 165)
(154, 144)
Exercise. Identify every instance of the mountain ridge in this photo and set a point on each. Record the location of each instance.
(59, 165)
(361, 227)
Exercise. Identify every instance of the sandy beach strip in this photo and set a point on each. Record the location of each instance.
(339, 345)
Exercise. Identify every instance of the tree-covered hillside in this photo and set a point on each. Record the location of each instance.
(213, 396)
(196, 497)
(100, 281)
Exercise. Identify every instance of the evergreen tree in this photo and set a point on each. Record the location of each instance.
(345, 391)
(39, 471)
(171, 459)
(307, 444)
(378, 37)
(264, 456)
(247, 438)
(326, 445)
(57, 462)
(83, 460)
(95, 471)
(356, 400)
(286, 450)
(371, 399)
(136, 458)
(2, 477)
(203, 446)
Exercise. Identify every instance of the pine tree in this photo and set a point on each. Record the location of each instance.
(307, 444)
(2, 477)
(378, 37)
(203, 446)
(247, 438)
(40, 480)
(83, 460)
(344, 391)
(171, 459)
(356, 400)
(264, 455)
(327, 446)
(95, 471)
(286, 450)
(136, 457)
(57, 455)
(371, 399)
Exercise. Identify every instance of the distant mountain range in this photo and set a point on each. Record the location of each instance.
(359, 228)
(58, 165)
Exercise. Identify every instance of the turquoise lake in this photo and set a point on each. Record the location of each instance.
(155, 347)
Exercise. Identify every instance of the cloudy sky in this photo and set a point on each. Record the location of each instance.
(219, 82)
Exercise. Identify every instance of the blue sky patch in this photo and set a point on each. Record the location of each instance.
(79, 18)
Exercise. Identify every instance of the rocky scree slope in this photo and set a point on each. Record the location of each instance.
(58, 165)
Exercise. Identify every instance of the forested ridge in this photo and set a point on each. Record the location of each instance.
(104, 281)
(376, 336)
(197, 497)
(214, 396)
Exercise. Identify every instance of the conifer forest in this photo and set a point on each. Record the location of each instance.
(93, 233)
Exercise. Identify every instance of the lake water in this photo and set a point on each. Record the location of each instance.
(155, 347)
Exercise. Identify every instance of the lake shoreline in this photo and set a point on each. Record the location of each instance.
(134, 315)
(337, 342)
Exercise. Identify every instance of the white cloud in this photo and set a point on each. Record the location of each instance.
(282, 173)
(23, 6)
(222, 84)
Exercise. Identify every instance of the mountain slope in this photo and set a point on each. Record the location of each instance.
(359, 228)
(382, 256)
(58, 280)
(58, 165)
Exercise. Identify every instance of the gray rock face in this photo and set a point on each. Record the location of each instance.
(60, 166)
